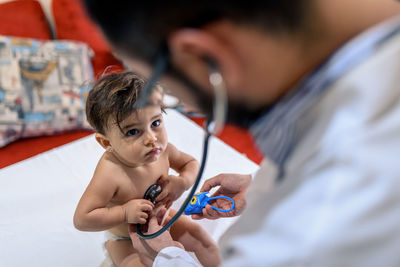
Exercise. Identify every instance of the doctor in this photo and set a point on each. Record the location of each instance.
(318, 84)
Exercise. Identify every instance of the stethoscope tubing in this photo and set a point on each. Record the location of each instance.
(207, 135)
(212, 127)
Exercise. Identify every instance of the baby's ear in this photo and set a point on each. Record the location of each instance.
(103, 140)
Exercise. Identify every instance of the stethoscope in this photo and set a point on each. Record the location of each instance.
(213, 126)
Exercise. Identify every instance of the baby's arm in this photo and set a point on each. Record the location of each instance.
(93, 213)
(186, 166)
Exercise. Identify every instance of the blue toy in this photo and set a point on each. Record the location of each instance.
(200, 200)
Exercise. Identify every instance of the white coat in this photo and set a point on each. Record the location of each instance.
(339, 201)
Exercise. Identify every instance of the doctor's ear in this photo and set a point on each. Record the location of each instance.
(103, 141)
(192, 50)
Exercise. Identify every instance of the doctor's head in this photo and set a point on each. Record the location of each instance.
(133, 133)
(261, 48)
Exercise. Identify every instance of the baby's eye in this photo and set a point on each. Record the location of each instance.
(156, 123)
(132, 132)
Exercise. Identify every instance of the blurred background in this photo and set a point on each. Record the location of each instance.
(50, 53)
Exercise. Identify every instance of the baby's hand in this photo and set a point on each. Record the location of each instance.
(172, 188)
(137, 210)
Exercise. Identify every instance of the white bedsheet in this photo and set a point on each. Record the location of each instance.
(38, 197)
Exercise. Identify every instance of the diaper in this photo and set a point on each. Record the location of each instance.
(111, 236)
(107, 260)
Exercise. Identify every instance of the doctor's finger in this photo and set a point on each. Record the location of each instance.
(201, 216)
(197, 216)
(223, 204)
(212, 182)
(136, 240)
(163, 181)
(162, 196)
(210, 213)
(160, 214)
(166, 220)
(168, 203)
(153, 225)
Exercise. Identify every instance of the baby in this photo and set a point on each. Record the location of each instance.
(137, 155)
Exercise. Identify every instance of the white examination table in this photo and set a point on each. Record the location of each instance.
(38, 197)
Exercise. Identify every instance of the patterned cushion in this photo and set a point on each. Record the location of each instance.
(42, 87)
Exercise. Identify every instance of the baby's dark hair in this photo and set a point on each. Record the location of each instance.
(113, 98)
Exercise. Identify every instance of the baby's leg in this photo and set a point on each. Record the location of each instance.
(194, 238)
(122, 253)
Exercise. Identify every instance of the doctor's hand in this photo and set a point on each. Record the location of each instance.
(230, 185)
(149, 248)
(172, 188)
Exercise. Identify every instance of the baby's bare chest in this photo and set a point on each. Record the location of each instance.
(135, 183)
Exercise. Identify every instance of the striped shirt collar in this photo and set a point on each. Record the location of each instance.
(277, 131)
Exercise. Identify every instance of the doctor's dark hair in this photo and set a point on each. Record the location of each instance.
(140, 29)
(112, 99)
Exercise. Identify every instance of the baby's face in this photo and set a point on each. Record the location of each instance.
(143, 138)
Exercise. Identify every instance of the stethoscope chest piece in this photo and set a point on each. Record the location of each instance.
(152, 193)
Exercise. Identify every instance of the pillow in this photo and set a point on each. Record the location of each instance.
(42, 87)
(24, 19)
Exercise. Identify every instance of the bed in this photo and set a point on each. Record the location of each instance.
(38, 197)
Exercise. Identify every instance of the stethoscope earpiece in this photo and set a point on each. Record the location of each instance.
(220, 104)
